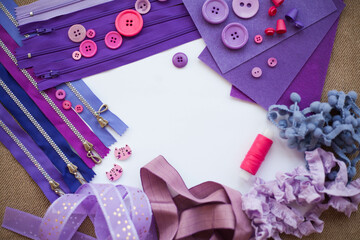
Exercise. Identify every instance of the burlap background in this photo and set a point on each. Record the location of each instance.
(17, 190)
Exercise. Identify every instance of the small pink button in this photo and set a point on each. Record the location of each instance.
(88, 48)
(60, 94)
(90, 33)
(66, 105)
(258, 39)
(129, 23)
(79, 108)
(77, 33)
(76, 55)
(272, 62)
(113, 40)
(256, 72)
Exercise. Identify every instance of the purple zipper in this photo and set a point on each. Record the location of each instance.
(21, 76)
(23, 148)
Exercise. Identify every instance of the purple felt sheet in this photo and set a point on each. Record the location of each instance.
(291, 54)
(310, 12)
(312, 74)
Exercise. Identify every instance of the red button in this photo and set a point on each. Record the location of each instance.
(79, 108)
(76, 55)
(90, 33)
(258, 39)
(129, 23)
(66, 105)
(269, 31)
(60, 94)
(113, 40)
(88, 48)
(272, 11)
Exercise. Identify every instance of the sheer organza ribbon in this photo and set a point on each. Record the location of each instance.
(117, 212)
(207, 211)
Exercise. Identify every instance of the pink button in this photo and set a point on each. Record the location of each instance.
(76, 55)
(79, 108)
(77, 33)
(272, 62)
(129, 23)
(66, 105)
(256, 72)
(113, 40)
(88, 48)
(90, 33)
(258, 39)
(60, 94)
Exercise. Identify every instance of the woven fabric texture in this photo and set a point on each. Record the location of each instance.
(18, 190)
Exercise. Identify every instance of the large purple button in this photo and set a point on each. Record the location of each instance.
(215, 11)
(234, 35)
(180, 60)
(245, 8)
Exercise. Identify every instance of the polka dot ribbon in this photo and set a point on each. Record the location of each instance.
(117, 212)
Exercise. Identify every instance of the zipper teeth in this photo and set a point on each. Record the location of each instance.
(81, 98)
(26, 151)
(8, 14)
(46, 97)
(36, 123)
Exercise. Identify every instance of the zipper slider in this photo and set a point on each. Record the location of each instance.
(56, 188)
(51, 74)
(103, 108)
(74, 170)
(89, 148)
(44, 30)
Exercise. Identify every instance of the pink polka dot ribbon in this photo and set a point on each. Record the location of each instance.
(117, 212)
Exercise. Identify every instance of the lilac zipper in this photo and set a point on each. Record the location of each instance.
(30, 156)
(67, 122)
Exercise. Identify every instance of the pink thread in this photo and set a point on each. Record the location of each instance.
(256, 154)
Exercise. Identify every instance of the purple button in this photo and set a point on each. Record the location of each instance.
(235, 36)
(180, 60)
(215, 11)
(256, 72)
(245, 8)
(77, 33)
(142, 6)
(60, 94)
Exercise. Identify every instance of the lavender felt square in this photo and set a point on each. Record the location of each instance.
(310, 12)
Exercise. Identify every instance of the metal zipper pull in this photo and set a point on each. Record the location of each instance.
(103, 108)
(89, 148)
(74, 170)
(51, 74)
(55, 186)
(44, 30)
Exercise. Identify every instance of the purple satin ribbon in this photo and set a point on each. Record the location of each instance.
(117, 212)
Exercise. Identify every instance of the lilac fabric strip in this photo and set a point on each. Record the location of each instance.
(274, 81)
(24, 160)
(273, 206)
(44, 106)
(117, 212)
(312, 74)
(200, 212)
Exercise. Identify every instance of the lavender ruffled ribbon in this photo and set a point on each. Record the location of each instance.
(274, 206)
(117, 212)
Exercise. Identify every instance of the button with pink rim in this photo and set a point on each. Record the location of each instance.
(76, 55)
(256, 72)
(142, 6)
(272, 62)
(66, 105)
(245, 8)
(235, 36)
(88, 48)
(258, 39)
(90, 33)
(60, 94)
(215, 11)
(129, 23)
(113, 40)
(77, 33)
(79, 108)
